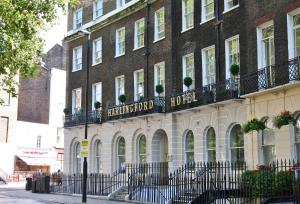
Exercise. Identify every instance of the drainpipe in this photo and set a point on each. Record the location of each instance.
(147, 52)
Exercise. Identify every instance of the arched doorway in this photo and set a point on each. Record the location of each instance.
(160, 146)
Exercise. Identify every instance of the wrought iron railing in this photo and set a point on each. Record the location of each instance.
(94, 116)
(208, 94)
(271, 76)
(142, 107)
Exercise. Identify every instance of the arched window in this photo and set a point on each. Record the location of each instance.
(189, 147)
(142, 150)
(121, 153)
(97, 149)
(237, 144)
(268, 143)
(77, 158)
(297, 139)
(211, 144)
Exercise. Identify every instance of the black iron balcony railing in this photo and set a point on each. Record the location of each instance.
(271, 76)
(208, 94)
(94, 116)
(142, 107)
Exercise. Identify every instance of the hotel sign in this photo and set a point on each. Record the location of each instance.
(185, 98)
(130, 108)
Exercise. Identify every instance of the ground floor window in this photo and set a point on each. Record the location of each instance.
(211, 144)
(237, 144)
(77, 158)
(121, 153)
(189, 147)
(268, 143)
(98, 157)
(142, 150)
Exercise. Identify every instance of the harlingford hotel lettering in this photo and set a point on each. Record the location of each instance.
(131, 108)
(186, 98)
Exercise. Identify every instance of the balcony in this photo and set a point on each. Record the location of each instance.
(271, 77)
(94, 117)
(143, 107)
(208, 94)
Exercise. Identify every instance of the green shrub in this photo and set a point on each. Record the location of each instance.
(66, 111)
(159, 89)
(188, 81)
(97, 105)
(235, 69)
(122, 98)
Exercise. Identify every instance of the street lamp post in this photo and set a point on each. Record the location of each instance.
(85, 163)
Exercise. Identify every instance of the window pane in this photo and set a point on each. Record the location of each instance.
(142, 145)
(269, 154)
(237, 137)
(211, 155)
(237, 155)
(268, 137)
(121, 147)
(190, 141)
(211, 139)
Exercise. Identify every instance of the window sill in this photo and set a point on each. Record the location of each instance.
(157, 40)
(183, 31)
(94, 64)
(205, 21)
(119, 55)
(232, 8)
(76, 70)
(138, 48)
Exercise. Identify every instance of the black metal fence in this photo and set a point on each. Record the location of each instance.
(97, 184)
(94, 116)
(217, 182)
(271, 76)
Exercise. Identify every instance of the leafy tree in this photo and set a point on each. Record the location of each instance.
(21, 22)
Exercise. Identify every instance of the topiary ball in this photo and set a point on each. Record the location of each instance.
(97, 105)
(122, 98)
(188, 81)
(235, 69)
(159, 89)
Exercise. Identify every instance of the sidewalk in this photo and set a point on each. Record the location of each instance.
(16, 192)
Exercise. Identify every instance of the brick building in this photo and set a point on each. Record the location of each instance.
(136, 45)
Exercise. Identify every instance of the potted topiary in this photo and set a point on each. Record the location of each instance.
(188, 81)
(159, 89)
(97, 105)
(235, 70)
(122, 98)
(284, 118)
(66, 111)
(253, 125)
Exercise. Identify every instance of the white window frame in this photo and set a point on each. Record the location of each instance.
(290, 33)
(77, 66)
(75, 19)
(117, 88)
(94, 97)
(184, 26)
(227, 41)
(120, 41)
(74, 109)
(137, 35)
(156, 25)
(156, 81)
(260, 52)
(186, 151)
(95, 16)
(136, 94)
(94, 51)
(230, 148)
(227, 8)
(139, 150)
(120, 155)
(120, 3)
(204, 63)
(97, 161)
(206, 143)
(77, 158)
(184, 69)
(294, 141)
(204, 17)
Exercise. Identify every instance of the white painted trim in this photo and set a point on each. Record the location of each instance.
(228, 75)
(156, 74)
(290, 32)
(94, 85)
(74, 97)
(204, 81)
(156, 39)
(73, 60)
(183, 26)
(203, 13)
(116, 88)
(94, 51)
(103, 18)
(260, 52)
(94, 9)
(135, 83)
(203, 22)
(226, 10)
(135, 33)
(184, 71)
(117, 54)
(74, 18)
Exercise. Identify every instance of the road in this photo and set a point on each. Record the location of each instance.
(17, 195)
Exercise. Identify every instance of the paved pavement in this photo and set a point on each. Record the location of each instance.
(11, 194)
